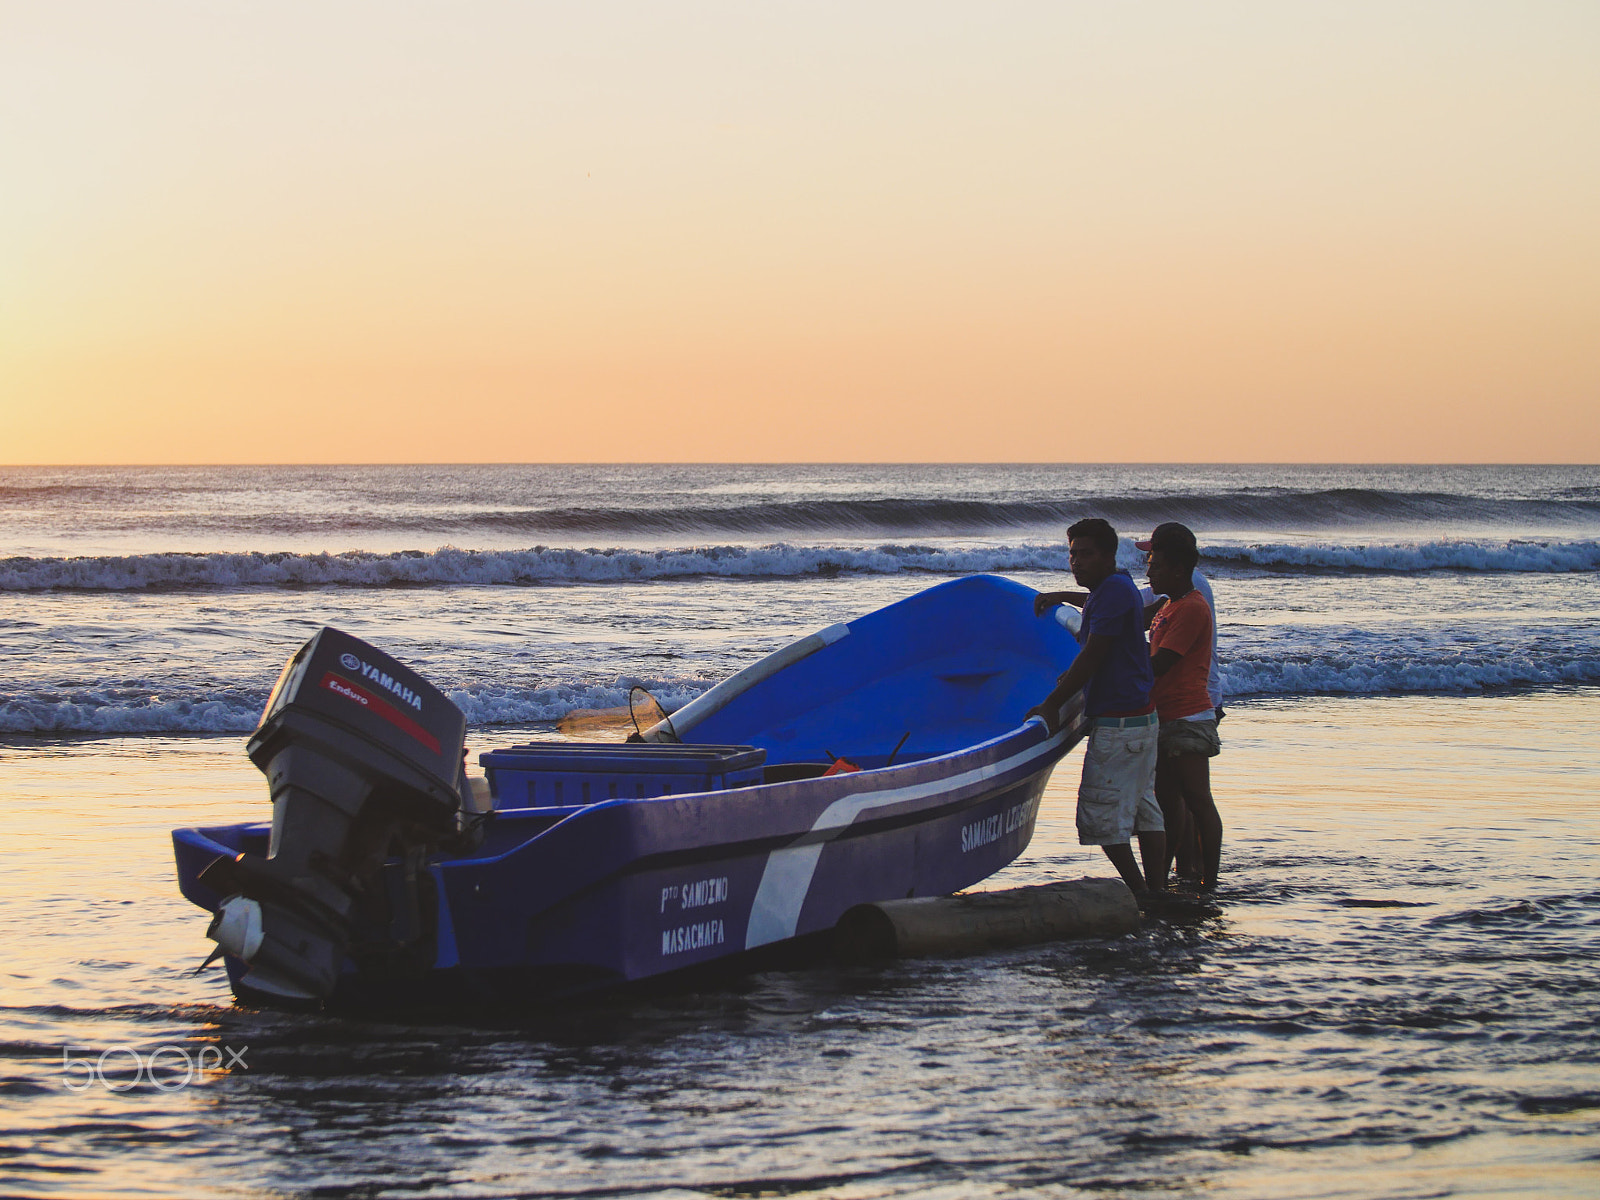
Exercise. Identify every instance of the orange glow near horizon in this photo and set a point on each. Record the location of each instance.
(1251, 232)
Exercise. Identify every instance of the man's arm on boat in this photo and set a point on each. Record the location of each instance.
(1163, 661)
(1090, 659)
(1045, 601)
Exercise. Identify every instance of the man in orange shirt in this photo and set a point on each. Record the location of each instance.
(1180, 658)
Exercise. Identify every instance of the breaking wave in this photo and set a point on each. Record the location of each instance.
(1255, 508)
(486, 704)
(540, 565)
(667, 503)
(107, 714)
(552, 565)
(1257, 672)
(483, 704)
(1381, 672)
(1519, 555)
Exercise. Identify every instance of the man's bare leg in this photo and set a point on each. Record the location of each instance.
(1169, 794)
(1153, 851)
(1195, 771)
(1121, 856)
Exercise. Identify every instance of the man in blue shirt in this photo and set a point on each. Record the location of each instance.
(1116, 797)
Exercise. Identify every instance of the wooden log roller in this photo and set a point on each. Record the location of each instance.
(973, 924)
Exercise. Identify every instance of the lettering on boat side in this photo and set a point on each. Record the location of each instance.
(693, 937)
(992, 829)
(695, 895)
(786, 879)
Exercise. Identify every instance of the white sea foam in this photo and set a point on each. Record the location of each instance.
(547, 565)
(1256, 672)
(20, 714)
(535, 566)
(483, 704)
(1519, 555)
(487, 704)
(1383, 673)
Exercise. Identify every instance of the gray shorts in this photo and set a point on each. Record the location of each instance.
(1190, 737)
(1117, 797)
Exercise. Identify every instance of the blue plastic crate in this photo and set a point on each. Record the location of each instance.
(539, 774)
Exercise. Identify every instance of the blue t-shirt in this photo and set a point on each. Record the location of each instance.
(1123, 682)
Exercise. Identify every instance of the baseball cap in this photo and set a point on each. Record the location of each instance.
(1170, 534)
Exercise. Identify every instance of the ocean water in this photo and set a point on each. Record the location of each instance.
(164, 600)
(1398, 1000)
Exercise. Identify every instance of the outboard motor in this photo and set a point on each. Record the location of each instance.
(364, 760)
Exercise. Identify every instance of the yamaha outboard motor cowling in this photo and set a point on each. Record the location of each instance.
(364, 761)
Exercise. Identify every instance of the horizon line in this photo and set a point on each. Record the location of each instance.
(1286, 462)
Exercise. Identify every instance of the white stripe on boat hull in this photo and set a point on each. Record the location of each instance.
(786, 880)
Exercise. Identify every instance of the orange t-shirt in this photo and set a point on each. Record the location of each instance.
(1183, 626)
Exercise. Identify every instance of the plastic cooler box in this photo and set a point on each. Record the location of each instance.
(542, 774)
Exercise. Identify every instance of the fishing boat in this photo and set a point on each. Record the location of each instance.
(893, 756)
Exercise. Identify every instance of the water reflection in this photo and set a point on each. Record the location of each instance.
(1398, 1002)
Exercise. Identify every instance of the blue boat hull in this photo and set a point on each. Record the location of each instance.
(564, 900)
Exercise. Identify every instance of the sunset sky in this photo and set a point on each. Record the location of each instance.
(234, 231)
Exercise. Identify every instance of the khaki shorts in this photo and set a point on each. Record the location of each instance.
(1190, 737)
(1117, 797)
